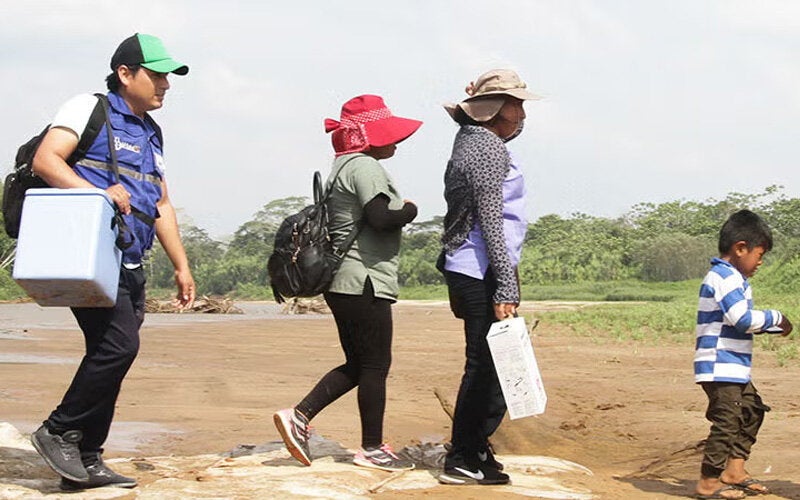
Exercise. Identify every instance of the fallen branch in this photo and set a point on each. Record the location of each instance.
(448, 409)
(378, 486)
(446, 406)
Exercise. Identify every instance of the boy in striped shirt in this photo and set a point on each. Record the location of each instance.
(726, 322)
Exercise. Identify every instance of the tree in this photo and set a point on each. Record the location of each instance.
(203, 253)
(245, 262)
(257, 235)
(419, 250)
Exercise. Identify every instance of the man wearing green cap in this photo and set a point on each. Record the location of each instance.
(71, 438)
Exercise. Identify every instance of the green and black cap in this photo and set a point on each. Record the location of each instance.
(146, 51)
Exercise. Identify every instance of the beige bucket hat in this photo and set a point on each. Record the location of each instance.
(486, 94)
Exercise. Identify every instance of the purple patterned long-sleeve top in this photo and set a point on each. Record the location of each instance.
(485, 223)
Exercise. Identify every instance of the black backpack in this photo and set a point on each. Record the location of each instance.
(22, 177)
(304, 260)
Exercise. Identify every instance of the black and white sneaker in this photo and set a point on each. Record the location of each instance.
(464, 475)
(61, 452)
(486, 458)
(99, 475)
(293, 428)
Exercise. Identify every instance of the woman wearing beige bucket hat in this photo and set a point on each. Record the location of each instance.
(365, 286)
(484, 229)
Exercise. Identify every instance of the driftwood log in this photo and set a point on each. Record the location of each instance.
(203, 304)
(300, 305)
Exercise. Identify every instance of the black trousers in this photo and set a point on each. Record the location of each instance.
(112, 342)
(480, 406)
(736, 413)
(365, 333)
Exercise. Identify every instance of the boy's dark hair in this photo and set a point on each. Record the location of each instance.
(746, 226)
(112, 80)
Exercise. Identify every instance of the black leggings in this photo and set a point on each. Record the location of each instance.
(365, 333)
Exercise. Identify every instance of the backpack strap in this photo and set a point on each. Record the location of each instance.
(96, 122)
(340, 252)
(333, 181)
(112, 151)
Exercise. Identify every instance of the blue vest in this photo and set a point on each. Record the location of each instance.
(140, 161)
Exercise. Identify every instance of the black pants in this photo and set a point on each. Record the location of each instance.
(365, 333)
(112, 342)
(736, 413)
(480, 406)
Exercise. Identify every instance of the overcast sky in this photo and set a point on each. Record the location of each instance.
(644, 101)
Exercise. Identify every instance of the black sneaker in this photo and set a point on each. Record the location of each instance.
(61, 453)
(473, 475)
(486, 459)
(99, 475)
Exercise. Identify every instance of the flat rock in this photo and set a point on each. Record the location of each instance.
(268, 471)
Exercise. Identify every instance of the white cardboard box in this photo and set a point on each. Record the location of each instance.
(516, 367)
(66, 251)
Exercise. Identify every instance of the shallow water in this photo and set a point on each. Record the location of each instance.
(9, 358)
(17, 318)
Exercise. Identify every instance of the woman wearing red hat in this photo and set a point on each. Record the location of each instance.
(364, 199)
(484, 229)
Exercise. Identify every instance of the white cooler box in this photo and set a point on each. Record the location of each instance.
(66, 252)
(516, 367)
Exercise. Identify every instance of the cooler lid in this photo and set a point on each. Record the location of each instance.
(69, 192)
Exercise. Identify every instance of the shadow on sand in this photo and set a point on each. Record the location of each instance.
(685, 487)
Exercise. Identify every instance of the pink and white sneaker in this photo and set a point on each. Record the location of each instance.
(293, 428)
(382, 458)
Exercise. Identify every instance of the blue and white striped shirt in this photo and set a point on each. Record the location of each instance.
(726, 323)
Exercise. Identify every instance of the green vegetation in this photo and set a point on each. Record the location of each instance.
(651, 258)
(666, 322)
(613, 291)
(651, 322)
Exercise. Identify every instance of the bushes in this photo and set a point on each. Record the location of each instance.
(575, 250)
(673, 257)
(667, 242)
(417, 266)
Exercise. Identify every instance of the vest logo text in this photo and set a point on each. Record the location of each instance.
(118, 144)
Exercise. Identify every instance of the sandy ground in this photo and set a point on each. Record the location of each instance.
(206, 384)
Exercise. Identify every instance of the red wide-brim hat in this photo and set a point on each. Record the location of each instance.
(367, 122)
